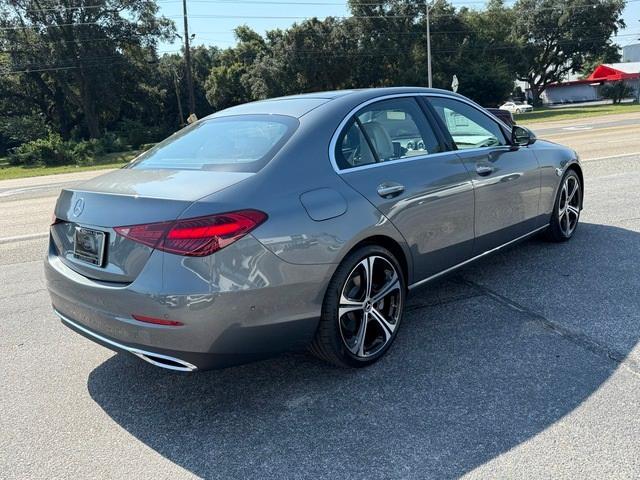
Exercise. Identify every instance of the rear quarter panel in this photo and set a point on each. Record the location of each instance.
(303, 166)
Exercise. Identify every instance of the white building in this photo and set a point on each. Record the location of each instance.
(588, 89)
(631, 53)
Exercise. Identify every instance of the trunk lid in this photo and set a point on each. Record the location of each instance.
(128, 197)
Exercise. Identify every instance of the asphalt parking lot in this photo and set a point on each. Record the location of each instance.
(525, 365)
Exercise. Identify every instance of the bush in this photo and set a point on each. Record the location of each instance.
(52, 150)
(19, 129)
(49, 151)
(83, 153)
(136, 134)
(111, 143)
(616, 91)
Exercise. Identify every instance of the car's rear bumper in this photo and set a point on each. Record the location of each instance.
(170, 362)
(228, 316)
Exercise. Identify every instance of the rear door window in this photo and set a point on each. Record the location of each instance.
(243, 143)
(385, 131)
(352, 149)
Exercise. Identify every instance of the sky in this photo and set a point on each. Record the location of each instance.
(213, 21)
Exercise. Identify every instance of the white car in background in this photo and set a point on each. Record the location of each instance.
(516, 107)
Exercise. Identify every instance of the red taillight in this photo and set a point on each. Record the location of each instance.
(196, 237)
(157, 321)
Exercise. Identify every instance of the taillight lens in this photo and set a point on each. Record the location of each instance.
(195, 237)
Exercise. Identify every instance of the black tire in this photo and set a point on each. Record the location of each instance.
(333, 334)
(559, 230)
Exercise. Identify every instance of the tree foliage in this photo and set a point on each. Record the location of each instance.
(81, 65)
(557, 37)
(81, 68)
(617, 91)
(382, 44)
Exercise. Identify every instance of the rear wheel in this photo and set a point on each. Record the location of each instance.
(566, 211)
(362, 309)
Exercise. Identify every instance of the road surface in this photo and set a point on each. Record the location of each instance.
(525, 365)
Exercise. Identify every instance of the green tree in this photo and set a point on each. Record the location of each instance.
(170, 70)
(488, 58)
(557, 37)
(610, 55)
(80, 56)
(226, 84)
(616, 91)
(309, 56)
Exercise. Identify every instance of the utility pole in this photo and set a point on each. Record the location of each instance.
(428, 7)
(175, 84)
(187, 58)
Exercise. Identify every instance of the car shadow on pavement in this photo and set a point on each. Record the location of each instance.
(479, 367)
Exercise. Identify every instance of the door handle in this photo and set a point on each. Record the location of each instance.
(390, 189)
(484, 170)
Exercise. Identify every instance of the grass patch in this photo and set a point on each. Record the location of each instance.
(109, 160)
(546, 114)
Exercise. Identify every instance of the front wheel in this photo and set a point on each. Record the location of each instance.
(362, 309)
(566, 211)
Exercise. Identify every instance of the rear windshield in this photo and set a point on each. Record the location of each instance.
(243, 143)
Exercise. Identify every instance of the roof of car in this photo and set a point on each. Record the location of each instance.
(301, 104)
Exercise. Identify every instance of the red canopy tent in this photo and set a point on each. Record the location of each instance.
(612, 73)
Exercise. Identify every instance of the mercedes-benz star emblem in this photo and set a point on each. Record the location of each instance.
(78, 207)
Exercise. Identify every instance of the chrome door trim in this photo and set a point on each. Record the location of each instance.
(439, 274)
(143, 354)
(345, 120)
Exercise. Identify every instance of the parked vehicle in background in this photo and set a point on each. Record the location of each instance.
(299, 221)
(516, 107)
(505, 115)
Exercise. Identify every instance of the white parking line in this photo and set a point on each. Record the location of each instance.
(611, 156)
(19, 238)
(18, 191)
(578, 127)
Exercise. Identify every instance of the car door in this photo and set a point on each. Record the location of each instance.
(389, 152)
(506, 178)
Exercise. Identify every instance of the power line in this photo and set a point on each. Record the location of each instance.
(87, 63)
(248, 2)
(298, 52)
(313, 3)
(321, 53)
(371, 3)
(377, 33)
(381, 16)
(330, 4)
(61, 8)
(285, 17)
(59, 25)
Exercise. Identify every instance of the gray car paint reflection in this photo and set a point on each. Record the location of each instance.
(263, 293)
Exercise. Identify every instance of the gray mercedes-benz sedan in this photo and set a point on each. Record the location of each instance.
(300, 221)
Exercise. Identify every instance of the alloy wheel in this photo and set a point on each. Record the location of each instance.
(569, 205)
(370, 306)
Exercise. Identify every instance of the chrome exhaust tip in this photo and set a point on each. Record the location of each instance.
(164, 361)
(156, 359)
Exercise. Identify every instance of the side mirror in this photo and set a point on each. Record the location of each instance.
(522, 136)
